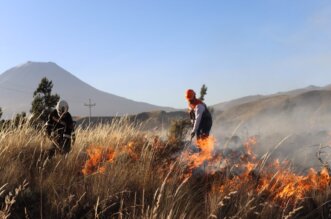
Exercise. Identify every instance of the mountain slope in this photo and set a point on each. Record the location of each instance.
(18, 84)
(237, 102)
(288, 112)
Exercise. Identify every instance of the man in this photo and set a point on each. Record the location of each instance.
(60, 129)
(200, 116)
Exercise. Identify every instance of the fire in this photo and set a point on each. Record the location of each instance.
(100, 156)
(239, 168)
(129, 149)
(248, 146)
(287, 185)
(196, 160)
(206, 146)
(249, 167)
(213, 160)
(275, 178)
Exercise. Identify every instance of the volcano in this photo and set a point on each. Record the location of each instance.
(18, 84)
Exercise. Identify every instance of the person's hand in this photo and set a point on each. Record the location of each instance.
(192, 135)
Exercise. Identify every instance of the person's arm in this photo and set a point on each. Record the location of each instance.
(192, 115)
(68, 122)
(199, 109)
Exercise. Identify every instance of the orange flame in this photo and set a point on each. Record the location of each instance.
(248, 146)
(100, 156)
(293, 186)
(206, 147)
(97, 157)
(277, 179)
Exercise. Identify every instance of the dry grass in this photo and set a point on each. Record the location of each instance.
(144, 181)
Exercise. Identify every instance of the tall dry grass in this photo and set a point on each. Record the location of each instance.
(144, 181)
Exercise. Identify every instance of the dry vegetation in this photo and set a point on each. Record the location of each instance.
(117, 171)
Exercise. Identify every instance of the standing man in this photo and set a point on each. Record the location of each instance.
(60, 129)
(200, 116)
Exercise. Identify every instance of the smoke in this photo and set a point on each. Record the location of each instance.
(307, 131)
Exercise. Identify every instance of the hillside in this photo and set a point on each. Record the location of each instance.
(287, 112)
(18, 84)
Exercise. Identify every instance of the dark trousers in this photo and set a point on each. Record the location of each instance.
(59, 145)
(204, 129)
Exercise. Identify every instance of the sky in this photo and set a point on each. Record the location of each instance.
(153, 50)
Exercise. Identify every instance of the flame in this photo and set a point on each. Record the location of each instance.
(248, 146)
(240, 167)
(129, 149)
(97, 157)
(295, 187)
(206, 147)
(276, 178)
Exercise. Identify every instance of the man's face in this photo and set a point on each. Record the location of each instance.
(191, 101)
(61, 111)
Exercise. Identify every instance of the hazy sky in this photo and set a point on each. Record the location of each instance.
(152, 51)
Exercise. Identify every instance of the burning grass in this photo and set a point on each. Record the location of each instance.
(117, 171)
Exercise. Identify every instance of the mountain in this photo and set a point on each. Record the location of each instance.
(18, 84)
(296, 111)
(237, 102)
(229, 104)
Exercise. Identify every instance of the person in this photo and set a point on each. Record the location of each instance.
(60, 129)
(201, 118)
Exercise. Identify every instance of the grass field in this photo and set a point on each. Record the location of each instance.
(118, 171)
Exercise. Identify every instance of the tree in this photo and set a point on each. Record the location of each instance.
(43, 101)
(203, 92)
(20, 119)
(0, 112)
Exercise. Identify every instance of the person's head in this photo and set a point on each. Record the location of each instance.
(62, 107)
(190, 95)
